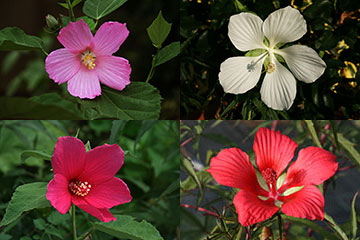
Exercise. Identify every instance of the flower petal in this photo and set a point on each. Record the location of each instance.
(62, 65)
(76, 36)
(245, 31)
(232, 167)
(58, 193)
(306, 203)
(236, 75)
(103, 214)
(102, 163)
(284, 25)
(273, 150)
(108, 194)
(314, 165)
(278, 89)
(109, 38)
(303, 62)
(84, 84)
(113, 71)
(251, 209)
(69, 157)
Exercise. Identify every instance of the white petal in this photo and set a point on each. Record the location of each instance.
(245, 31)
(235, 77)
(284, 25)
(278, 89)
(304, 62)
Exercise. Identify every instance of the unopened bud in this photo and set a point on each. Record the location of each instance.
(51, 22)
(265, 233)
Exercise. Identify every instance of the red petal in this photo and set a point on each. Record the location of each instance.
(313, 166)
(251, 209)
(273, 150)
(306, 203)
(58, 193)
(232, 167)
(102, 163)
(69, 157)
(103, 214)
(109, 194)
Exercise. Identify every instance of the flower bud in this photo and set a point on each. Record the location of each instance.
(52, 24)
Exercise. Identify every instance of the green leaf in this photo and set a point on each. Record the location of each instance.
(13, 38)
(354, 225)
(125, 227)
(336, 228)
(188, 167)
(26, 197)
(91, 23)
(99, 8)
(349, 147)
(139, 100)
(117, 127)
(255, 52)
(313, 134)
(158, 30)
(34, 153)
(167, 53)
(189, 183)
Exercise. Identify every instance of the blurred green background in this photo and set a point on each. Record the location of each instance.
(151, 171)
(333, 31)
(23, 74)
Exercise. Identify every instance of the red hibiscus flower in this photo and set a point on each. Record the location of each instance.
(86, 179)
(267, 189)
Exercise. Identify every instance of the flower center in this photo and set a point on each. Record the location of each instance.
(270, 68)
(79, 188)
(269, 175)
(88, 59)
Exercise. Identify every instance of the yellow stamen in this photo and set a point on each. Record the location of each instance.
(88, 59)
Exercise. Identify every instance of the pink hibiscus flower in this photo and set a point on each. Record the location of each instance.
(86, 179)
(266, 190)
(86, 60)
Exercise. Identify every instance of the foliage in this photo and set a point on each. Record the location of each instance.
(333, 29)
(151, 171)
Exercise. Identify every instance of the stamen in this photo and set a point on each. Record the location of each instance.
(79, 188)
(88, 59)
(270, 68)
(251, 66)
(269, 175)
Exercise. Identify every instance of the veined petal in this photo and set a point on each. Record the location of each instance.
(251, 209)
(273, 150)
(245, 31)
(108, 194)
(284, 25)
(303, 62)
(113, 71)
(240, 74)
(84, 84)
(102, 163)
(232, 167)
(109, 38)
(278, 89)
(306, 203)
(69, 157)
(62, 65)
(103, 214)
(58, 193)
(314, 165)
(76, 36)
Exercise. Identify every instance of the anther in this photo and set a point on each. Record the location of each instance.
(269, 175)
(88, 59)
(79, 188)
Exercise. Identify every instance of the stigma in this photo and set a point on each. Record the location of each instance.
(88, 59)
(79, 188)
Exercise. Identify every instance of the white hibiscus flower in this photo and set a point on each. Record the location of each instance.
(278, 90)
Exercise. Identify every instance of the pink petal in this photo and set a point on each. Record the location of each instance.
(109, 37)
(76, 36)
(251, 209)
(273, 150)
(306, 203)
(108, 194)
(232, 167)
(69, 157)
(58, 193)
(102, 163)
(62, 65)
(85, 84)
(103, 214)
(113, 71)
(314, 165)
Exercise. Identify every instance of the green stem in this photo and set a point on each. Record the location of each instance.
(280, 226)
(44, 52)
(73, 218)
(71, 12)
(152, 70)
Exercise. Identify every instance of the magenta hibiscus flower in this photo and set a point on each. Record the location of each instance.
(87, 179)
(266, 190)
(86, 60)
